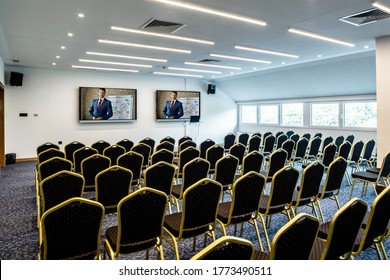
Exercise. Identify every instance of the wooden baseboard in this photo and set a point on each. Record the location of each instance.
(26, 159)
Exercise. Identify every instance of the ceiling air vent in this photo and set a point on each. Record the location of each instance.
(365, 17)
(160, 26)
(209, 61)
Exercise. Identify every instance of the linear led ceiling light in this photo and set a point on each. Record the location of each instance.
(194, 70)
(176, 74)
(320, 37)
(266, 51)
(162, 35)
(212, 65)
(214, 12)
(143, 46)
(115, 63)
(126, 56)
(104, 69)
(381, 7)
(240, 58)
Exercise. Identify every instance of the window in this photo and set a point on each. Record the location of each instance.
(360, 114)
(292, 114)
(325, 114)
(249, 114)
(269, 114)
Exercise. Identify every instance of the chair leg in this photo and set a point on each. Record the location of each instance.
(265, 233)
(319, 208)
(352, 187)
(254, 222)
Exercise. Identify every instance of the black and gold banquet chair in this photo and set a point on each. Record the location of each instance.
(90, 167)
(134, 162)
(227, 248)
(46, 146)
(150, 142)
(225, 172)
(71, 231)
(213, 154)
(300, 151)
(140, 224)
(341, 232)
(48, 154)
(293, 241)
(353, 160)
(238, 150)
(100, 146)
(368, 150)
(277, 160)
(344, 150)
(165, 145)
(289, 133)
(162, 155)
(203, 146)
(184, 145)
(185, 156)
(243, 138)
(113, 153)
(168, 139)
(126, 143)
(251, 162)
(269, 144)
(314, 149)
(339, 140)
(183, 139)
(246, 193)
(228, 141)
(144, 150)
(350, 138)
(280, 140)
(198, 215)
(288, 146)
(254, 144)
(81, 154)
(325, 142)
(71, 147)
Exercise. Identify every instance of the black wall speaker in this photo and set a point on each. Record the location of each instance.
(16, 79)
(211, 89)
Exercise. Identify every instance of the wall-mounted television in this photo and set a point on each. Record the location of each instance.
(187, 104)
(119, 105)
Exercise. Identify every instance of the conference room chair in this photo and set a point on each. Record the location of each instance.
(313, 150)
(162, 155)
(374, 226)
(150, 142)
(168, 139)
(90, 167)
(193, 171)
(300, 151)
(371, 178)
(72, 230)
(318, 134)
(251, 162)
(243, 207)
(225, 172)
(295, 137)
(50, 153)
(185, 156)
(293, 241)
(288, 146)
(307, 136)
(112, 184)
(277, 160)
(368, 150)
(339, 140)
(160, 177)
(227, 248)
(337, 241)
(100, 146)
(327, 157)
(184, 145)
(113, 152)
(46, 146)
(126, 143)
(350, 138)
(325, 142)
(228, 141)
(266, 134)
(269, 144)
(203, 146)
(344, 150)
(140, 225)
(165, 145)
(213, 154)
(277, 134)
(71, 147)
(238, 150)
(280, 140)
(289, 133)
(81, 154)
(353, 160)
(144, 150)
(333, 182)
(183, 139)
(256, 134)
(243, 138)
(254, 144)
(134, 162)
(279, 197)
(198, 215)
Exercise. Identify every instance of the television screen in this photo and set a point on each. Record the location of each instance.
(185, 105)
(118, 105)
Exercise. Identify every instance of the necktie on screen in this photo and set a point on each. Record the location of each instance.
(100, 103)
(172, 102)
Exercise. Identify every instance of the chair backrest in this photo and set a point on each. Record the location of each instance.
(288, 146)
(277, 134)
(148, 141)
(269, 143)
(357, 149)
(72, 229)
(294, 241)
(339, 140)
(238, 150)
(113, 152)
(52, 166)
(280, 140)
(46, 146)
(143, 150)
(228, 141)
(243, 138)
(81, 154)
(160, 177)
(195, 170)
(385, 169)
(334, 176)
(126, 143)
(326, 142)
(50, 153)
(277, 160)
(295, 137)
(92, 165)
(132, 161)
(168, 139)
(289, 133)
(213, 154)
(343, 229)
(200, 205)
(311, 180)
(100, 146)
(368, 149)
(59, 187)
(301, 148)
(314, 147)
(225, 170)
(184, 145)
(112, 184)
(307, 136)
(252, 162)
(186, 156)
(140, 219)
(183, 139)
(165, 145)
(350, 138)
(344, 150)
(329, 154)
(204, 146)
(162, 155)
(318, 134)
(70, 148)
(254, 143)
(227, 248)
(266, 134)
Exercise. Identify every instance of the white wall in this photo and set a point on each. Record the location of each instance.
(2, 80)
(53, 95)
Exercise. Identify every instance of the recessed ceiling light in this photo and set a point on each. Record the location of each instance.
(104, 69)
(114, 63)
(319, 56)
(232, 73)
(70, 34)
(240, 58)
(54, 63)
(162, 35)
(254, 68)
(63, 47)
(266, 51)
(127, 56)
(283, 62)
(366, 47)
(80, 15)
(381, 7)
(57, 56)
(320, 37)
(143, 46)
(193, 70)
(175, 74)
(213, 12)
(212, 65)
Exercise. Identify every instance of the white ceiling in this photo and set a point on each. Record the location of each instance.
(32, 32)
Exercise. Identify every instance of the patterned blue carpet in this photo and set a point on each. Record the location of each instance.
(18, 222)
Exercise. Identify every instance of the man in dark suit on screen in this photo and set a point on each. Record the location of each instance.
(101, 108)
(173, 108)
